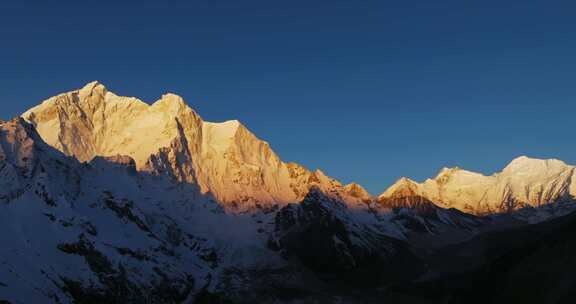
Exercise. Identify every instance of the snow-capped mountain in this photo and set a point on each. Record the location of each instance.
(243, 173)
(225, 159)
(525, 182)
(107, 199)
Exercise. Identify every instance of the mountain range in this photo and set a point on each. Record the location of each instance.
(108, 199)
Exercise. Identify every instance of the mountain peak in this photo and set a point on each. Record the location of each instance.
(523, 160)
(356, 190)
(405, 180)
(91, 88)
(534, 165)
(92, 84)
(403, 184)
(447, 171)
(170, 103)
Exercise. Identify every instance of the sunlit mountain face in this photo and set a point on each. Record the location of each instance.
(108, 199)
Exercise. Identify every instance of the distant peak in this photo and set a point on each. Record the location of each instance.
(405, 180)
(447, 171)
(356, 190)
(93, 83)
(171, 98)
(403, 184)
(170, 103)
(94, 86)
(525, 163)
(353, 185)
(523, 159)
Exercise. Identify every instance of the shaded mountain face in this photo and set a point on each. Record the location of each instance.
(324, 235)
(27, 164)
(77, 232)
(106, 199)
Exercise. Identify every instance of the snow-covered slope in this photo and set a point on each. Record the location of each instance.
(73, 231)
(525, 182)
(104, 232)
(168, 137)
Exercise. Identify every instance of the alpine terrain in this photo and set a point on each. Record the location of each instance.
(108, 199)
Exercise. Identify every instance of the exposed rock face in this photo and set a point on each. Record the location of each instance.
(169, 138)
(525, 182)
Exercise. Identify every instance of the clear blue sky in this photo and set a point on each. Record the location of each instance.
(366, 90)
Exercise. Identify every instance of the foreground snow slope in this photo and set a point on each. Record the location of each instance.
(103, 231)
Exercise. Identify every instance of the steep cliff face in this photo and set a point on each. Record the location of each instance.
(525, 182)
(169, 138)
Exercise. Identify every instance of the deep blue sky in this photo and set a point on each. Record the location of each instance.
(366, 90)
